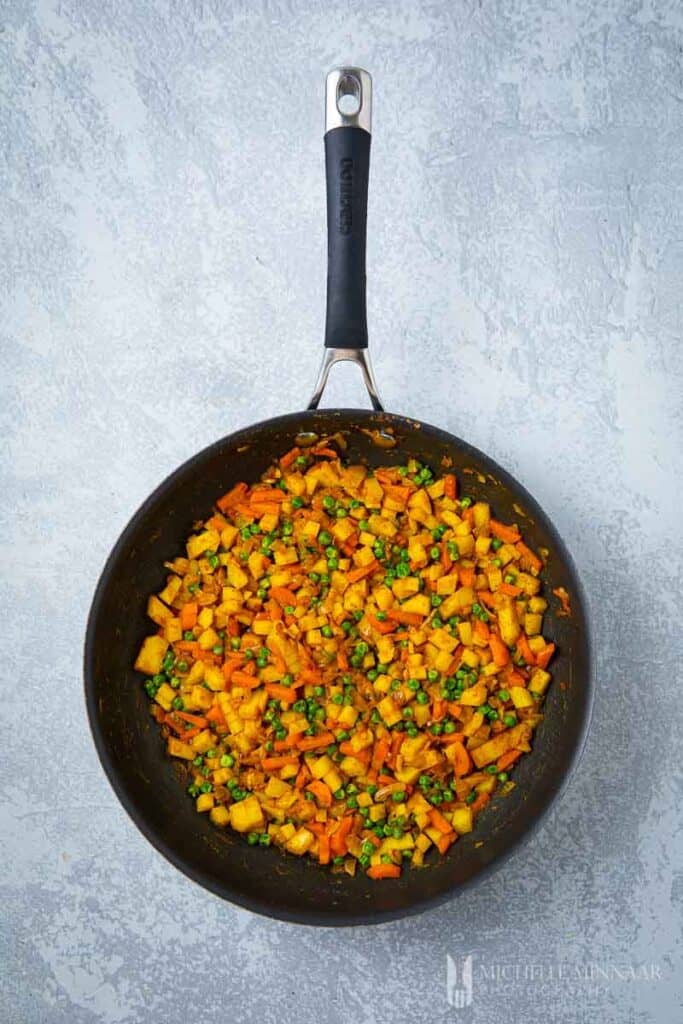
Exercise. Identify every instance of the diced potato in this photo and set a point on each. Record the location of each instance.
(220, 815)
(214, 678)
(321, 766)
(538, 683)
(389, 711)
(482, 514)
(300, 842)
(538, 605)
(204, 802)
(198, 699)
(165, 696)
(208, 639)
(348, 716)
(418, 605)
(352, 766)
(228, 536)
(406, 587)
(173, 631)
(333, 779)
(453, 605)
(170, 591)
(203, 741)
(474, 696)
(237, 577)
(151, 656)
(516, 738)
(209, 540)
(532, 624)
(443, 640)
(178, 748)
(462, 820)
(385, 650)
(196, 674)
(205, 618)
(417, 553)
(247, 815)
(508, 623)
(276, 788)
(521, 697)
(446, 585)
(465, 633)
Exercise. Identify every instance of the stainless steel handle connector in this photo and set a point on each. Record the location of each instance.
(348, 99)
(359, 356)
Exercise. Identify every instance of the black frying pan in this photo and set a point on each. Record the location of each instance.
(128, 740)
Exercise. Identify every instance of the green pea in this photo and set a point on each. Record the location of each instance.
(510, 720)
(252, 838)
(422, 697)
(297, 502)
(503, 695)
(227, 761)
(324, 538)
(327, 632)
(399, 797)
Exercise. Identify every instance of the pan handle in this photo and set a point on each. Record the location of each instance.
(348, 104)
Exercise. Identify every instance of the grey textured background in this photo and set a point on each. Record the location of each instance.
(162, 281)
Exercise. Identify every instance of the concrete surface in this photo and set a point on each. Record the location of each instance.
(163, 283)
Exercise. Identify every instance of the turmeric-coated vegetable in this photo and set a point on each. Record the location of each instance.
(349, 662)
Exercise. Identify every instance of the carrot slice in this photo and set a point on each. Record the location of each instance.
(338, 838)
(499, 651)
(240, 678)
(283, 595)
(529, 557)
(384, 871)
(449, 486)
(405, 618)
(232, 497)
(525, 650)
(510, 589)
(289, 457)
(321, 792)
(284, 693)
(362, 571)
(438, 821)
(462, 762)
(272, 764)
(544, 655)
(199, 720)
(324, 849)
(508, 534)
(188, 615)
(507, 759)
(314, 742)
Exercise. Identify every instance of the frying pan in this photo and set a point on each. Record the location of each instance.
(128, 740)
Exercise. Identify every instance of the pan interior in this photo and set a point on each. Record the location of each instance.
(132, 750)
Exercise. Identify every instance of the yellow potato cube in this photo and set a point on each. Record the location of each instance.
(538, 683)
(532, 624)
(205, 618)
(177, 748)
(389, 711)
(462, 820)
(521, 697)
(320, 767)
(209, 540)
(208, 639)
(165, 696)
(348, 716)
(203, 741)
(214, 678)
(204, 802)
(453, 605)
(300, 842)
(352, 766)
(419, 605)
(170, 591)
(228, 536)
(151, 655)
(508, 622)
(474, 696)
(247, 815)
(446, 585)
(220, 815)
(237, 577)
(406, 587)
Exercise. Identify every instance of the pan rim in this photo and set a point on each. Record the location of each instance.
(328, 918)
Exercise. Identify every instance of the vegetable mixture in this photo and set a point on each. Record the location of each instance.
(349, 661)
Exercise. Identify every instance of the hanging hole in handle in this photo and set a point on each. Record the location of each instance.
(348, 96)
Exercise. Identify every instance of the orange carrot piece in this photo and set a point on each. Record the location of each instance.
(466, 576)
(273, 764)
(315, 742)
(229, 667)
(232, 497)
(543, 657)
(188, 615)
(286, 694)
(462, 762)
(508, 534)
(507, 759)
(199, 720)
(380, 752)
(325, 453)
(342, 659)
(481, 801)
(378, 625)
(438, 709)
(240, 678)
(338, 838)
(510, 589)
(215, 715)
(186, 647)
(438, 821)
(303, 775)
(384, 871)
(267, 494)
(563, 598)
(449, 486)
(525, 650)
(446, 560)
(499, 651)
(480, 630)
(289, 457)
(444, 842)
(283, 595)
(405, 618)
(529, 556)
(321, 792)
(362, 571)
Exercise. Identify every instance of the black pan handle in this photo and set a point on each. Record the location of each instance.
(347, 163)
